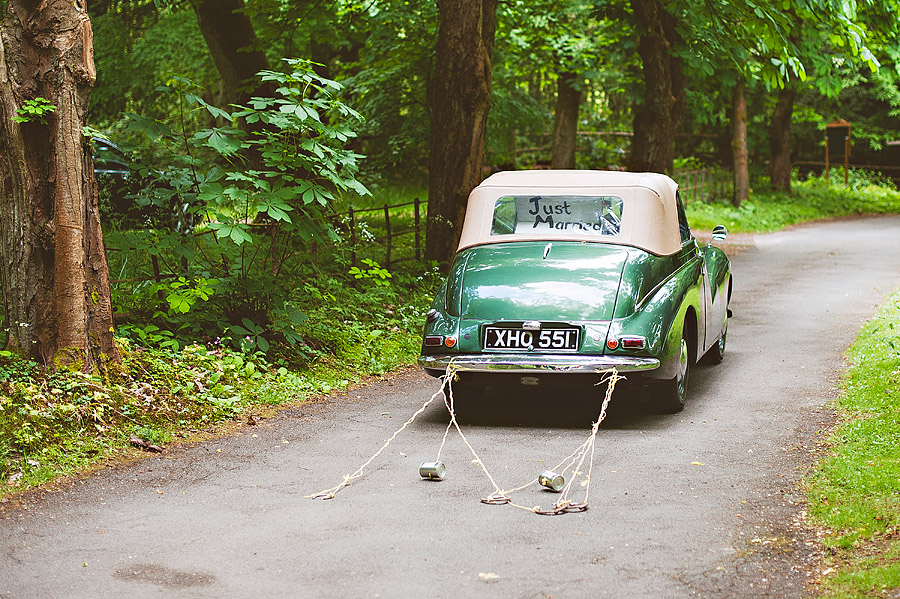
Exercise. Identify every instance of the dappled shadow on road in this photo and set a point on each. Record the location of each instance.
(574, 408)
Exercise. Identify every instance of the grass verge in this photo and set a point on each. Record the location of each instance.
(813, 199)
(854, 494)
(59, 424)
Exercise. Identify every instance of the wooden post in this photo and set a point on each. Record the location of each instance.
(387, 226)
(416, 203)
(352, 237)
(846, 155)
(839, 130)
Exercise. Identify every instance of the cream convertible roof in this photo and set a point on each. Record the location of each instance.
(649, 216)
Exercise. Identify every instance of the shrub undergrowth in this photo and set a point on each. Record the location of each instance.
(57, 424)
(809, 200)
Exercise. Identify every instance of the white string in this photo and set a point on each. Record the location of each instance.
(574, 461)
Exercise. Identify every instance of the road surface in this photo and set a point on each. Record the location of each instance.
(698, 504)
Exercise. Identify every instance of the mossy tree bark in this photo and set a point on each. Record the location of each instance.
(740, 153)
(459, 99)
(780, 139)
(658, 117)
(55, 277)
(234, 48)
(565, 121)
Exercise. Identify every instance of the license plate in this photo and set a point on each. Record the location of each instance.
(519, 339)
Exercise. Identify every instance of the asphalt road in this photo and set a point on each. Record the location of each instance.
(702, 503)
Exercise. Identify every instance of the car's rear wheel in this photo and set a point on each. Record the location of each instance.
(716, 353)
(669, 395)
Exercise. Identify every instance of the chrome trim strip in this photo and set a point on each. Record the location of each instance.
(536, 363)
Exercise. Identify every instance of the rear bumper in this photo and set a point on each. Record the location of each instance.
(437, 365)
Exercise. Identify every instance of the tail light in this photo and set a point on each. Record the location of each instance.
(632, 342)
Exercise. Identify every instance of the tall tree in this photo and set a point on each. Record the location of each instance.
(575, 45)
(739, 151)
(388, 80)
(657, 118)
(780, 139)
(459, 99)
(758, 39)
(55, 277)
(565, 121)
(232, 42)
(843, 49)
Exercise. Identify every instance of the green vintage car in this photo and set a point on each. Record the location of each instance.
(561, 275)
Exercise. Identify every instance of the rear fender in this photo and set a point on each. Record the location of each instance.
(720, 286)
(719, 268)
(661, 320)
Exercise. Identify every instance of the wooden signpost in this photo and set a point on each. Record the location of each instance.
(837, 143)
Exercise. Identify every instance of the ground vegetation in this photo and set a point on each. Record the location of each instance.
(853, 492)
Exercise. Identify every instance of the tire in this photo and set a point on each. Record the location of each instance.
(669, 396)
(716, 353)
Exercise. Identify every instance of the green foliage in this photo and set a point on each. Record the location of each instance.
(255, 190)
(374, 324)
(250, 336)
(869, 101)
(183, 294)
(385, 72)
(534, 44)
(52, 423)
(133, 54)
(853, 492)
(151, 335)
(775, 42)
(374, 273)
(34, 111)
(810, 200)
(57, 424)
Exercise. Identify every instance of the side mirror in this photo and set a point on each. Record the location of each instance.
(719, 232)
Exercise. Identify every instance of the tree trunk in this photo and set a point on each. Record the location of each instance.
(234, 47)
(780, 140)
(565, 122)
(459, 98)
(55, 277)
(740, 154)
(658, 118)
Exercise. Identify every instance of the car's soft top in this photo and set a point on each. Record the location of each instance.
(648, 218)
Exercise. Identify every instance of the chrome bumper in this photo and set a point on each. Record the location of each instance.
(536, 363)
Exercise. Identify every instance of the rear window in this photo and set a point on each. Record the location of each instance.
(557, 215)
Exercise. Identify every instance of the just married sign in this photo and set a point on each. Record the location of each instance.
(600, 215)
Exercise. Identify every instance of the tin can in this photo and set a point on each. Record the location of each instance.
(432, 470)
(552, 480)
